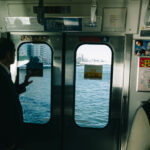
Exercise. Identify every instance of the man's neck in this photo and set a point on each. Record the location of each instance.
(5, 66)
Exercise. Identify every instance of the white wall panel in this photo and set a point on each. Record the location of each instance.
(132, 17)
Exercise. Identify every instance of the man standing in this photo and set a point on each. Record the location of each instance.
(11, 117)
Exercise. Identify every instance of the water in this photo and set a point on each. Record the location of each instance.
(36, 100)
(91, 99)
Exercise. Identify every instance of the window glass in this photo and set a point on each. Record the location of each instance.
(35, 59)
(92, 85)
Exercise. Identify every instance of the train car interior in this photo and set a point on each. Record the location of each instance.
(90, 64)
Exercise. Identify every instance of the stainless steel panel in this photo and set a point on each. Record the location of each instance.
(87, 138)
(62, 132)
(126, 88)
(46, 136)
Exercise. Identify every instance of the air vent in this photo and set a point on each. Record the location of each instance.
(55, 9)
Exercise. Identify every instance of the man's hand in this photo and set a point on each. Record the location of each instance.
(26, 81)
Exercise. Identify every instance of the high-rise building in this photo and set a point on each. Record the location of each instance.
(29, 50)
(42, 51)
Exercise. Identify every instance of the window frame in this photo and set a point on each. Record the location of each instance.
(51, 84)
(111, 82)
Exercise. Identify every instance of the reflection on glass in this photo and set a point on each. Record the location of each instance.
(36, 59)
(92, 95)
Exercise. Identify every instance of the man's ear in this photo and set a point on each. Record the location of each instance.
(8, 55)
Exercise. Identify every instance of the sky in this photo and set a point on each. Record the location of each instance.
(92, 51)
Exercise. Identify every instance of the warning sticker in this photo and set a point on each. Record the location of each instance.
(93, 71)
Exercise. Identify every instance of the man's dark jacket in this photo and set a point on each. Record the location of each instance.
(10, 110)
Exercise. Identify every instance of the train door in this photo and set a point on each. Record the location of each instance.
(77, 118)
(41, 55)
(92, 106)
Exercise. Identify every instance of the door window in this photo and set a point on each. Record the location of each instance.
(35, 59)
(92, 85)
